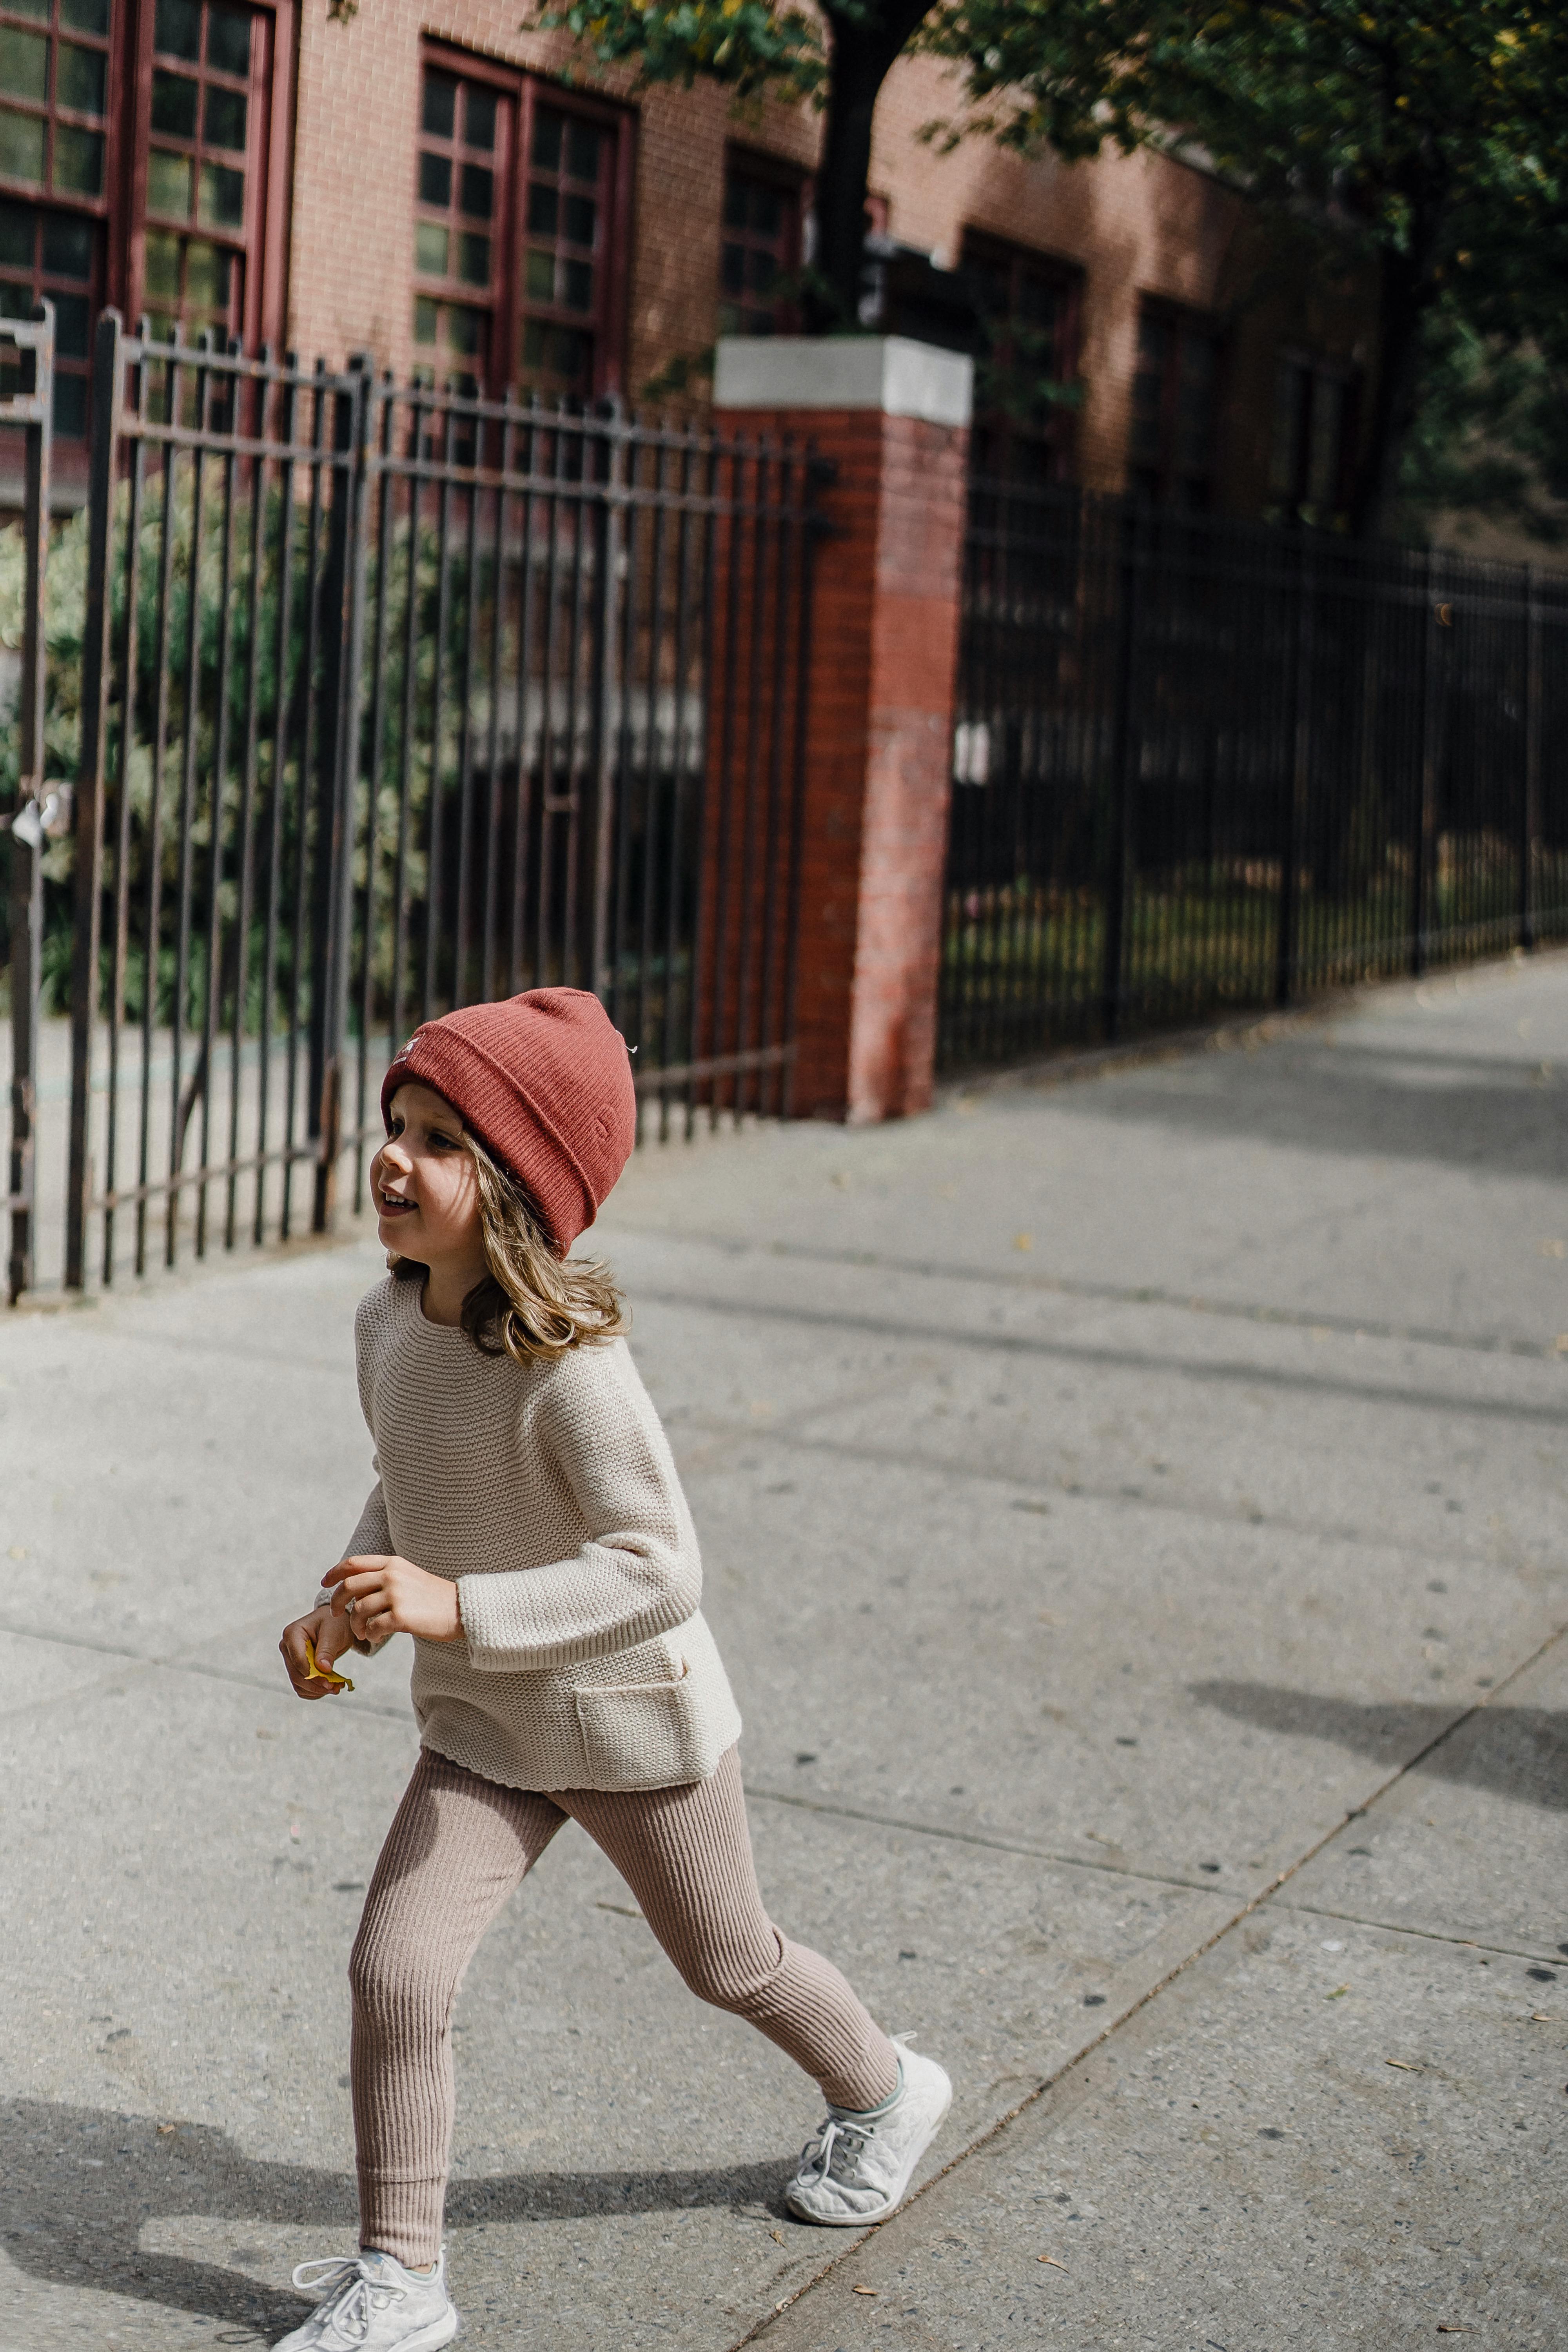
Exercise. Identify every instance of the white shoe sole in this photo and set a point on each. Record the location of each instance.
(429, 2339)
(896, 2195)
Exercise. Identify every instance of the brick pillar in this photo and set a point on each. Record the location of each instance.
(894, 415)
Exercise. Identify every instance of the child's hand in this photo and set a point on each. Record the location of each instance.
(379, 1594)
(329, 1634)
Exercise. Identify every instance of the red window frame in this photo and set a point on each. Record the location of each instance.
(754, 251)
(1168, 464)
(1013, 285)
(531, 336)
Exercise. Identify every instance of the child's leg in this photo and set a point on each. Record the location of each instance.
(457, 1849)
(685, 1853)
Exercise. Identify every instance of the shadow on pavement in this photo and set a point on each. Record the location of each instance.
(1395, 1101)
(78, 2186)
(1515, 1751)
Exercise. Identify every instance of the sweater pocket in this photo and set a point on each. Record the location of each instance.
(646, 1735)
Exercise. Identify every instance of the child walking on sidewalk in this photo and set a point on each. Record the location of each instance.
(528, 1529)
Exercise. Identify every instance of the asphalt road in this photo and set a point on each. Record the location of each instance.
(1133, 1515)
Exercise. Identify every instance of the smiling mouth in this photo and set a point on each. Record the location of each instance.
(391, 1206)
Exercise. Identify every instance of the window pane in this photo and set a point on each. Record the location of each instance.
(177, 28)
(163, 266)
(581, 220)
(70, 406)
(480, 118)
(547, 129)
(223, 117)
(543, 209)
(21, 146)
(430, 248)
(79, 79)
(29, 8)
(70, 325)
(474, 260)
(465, 330)
(477, 197)
(760, 270)
(24, 63)
(169, 184)
(84, 15)
(435, 181)
(583, 150)
(732, 268)
(16, 302)
(1328, 420)
(735, 201)
(577, 291)
(79, 160)
(540, 277)
(68, 247)
(17, 236)
(175, 104)
(228, 41)
(222, 202)
(767, 210)
(207, 270)
(425, 315)
(440, 111)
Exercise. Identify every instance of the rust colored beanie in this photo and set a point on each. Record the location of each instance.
(543, 1081)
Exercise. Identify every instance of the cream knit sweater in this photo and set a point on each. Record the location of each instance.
(548, 1493)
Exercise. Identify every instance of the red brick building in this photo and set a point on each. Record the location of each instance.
(429, 185)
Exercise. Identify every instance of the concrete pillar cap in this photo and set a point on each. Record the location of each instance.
(889, 373)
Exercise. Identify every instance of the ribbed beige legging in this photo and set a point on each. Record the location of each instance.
(457, 1849)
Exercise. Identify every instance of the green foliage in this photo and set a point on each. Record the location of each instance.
(747, 45)
(1491, 436)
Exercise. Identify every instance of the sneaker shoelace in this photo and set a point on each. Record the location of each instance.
(352, 2299)
(835, 2151)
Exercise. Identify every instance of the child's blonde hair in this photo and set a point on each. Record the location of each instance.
(531, 1305)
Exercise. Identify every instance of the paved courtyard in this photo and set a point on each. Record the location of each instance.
(1134, 1516)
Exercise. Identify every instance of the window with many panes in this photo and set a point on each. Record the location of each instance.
(137, 152)
(519, 236)
(760, 245)
(1176, 410)
(1312, 413)
(205, 162)
(1026, 308)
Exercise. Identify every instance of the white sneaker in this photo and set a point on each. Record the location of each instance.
(372, 2305)
(857, 2168)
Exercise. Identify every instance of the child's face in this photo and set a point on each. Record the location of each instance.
(426, 1193)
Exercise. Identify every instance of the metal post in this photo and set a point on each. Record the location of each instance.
(1287, 939)
(1432, 674)
(344, 602)
(25, 823)
(1122, 871)
(609, 540)
(107, 385)
(1530, 815)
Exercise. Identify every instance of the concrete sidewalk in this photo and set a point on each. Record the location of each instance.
(1133, 1513)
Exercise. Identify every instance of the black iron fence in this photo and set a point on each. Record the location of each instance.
(390, 700)
(1201, 765)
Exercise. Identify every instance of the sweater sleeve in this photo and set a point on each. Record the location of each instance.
(371, 1532)
(637, 1572)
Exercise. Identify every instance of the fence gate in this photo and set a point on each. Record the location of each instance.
(393, 700)
(27, 393)
(1202, 765)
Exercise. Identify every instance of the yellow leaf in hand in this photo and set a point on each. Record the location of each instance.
(320, 1674)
